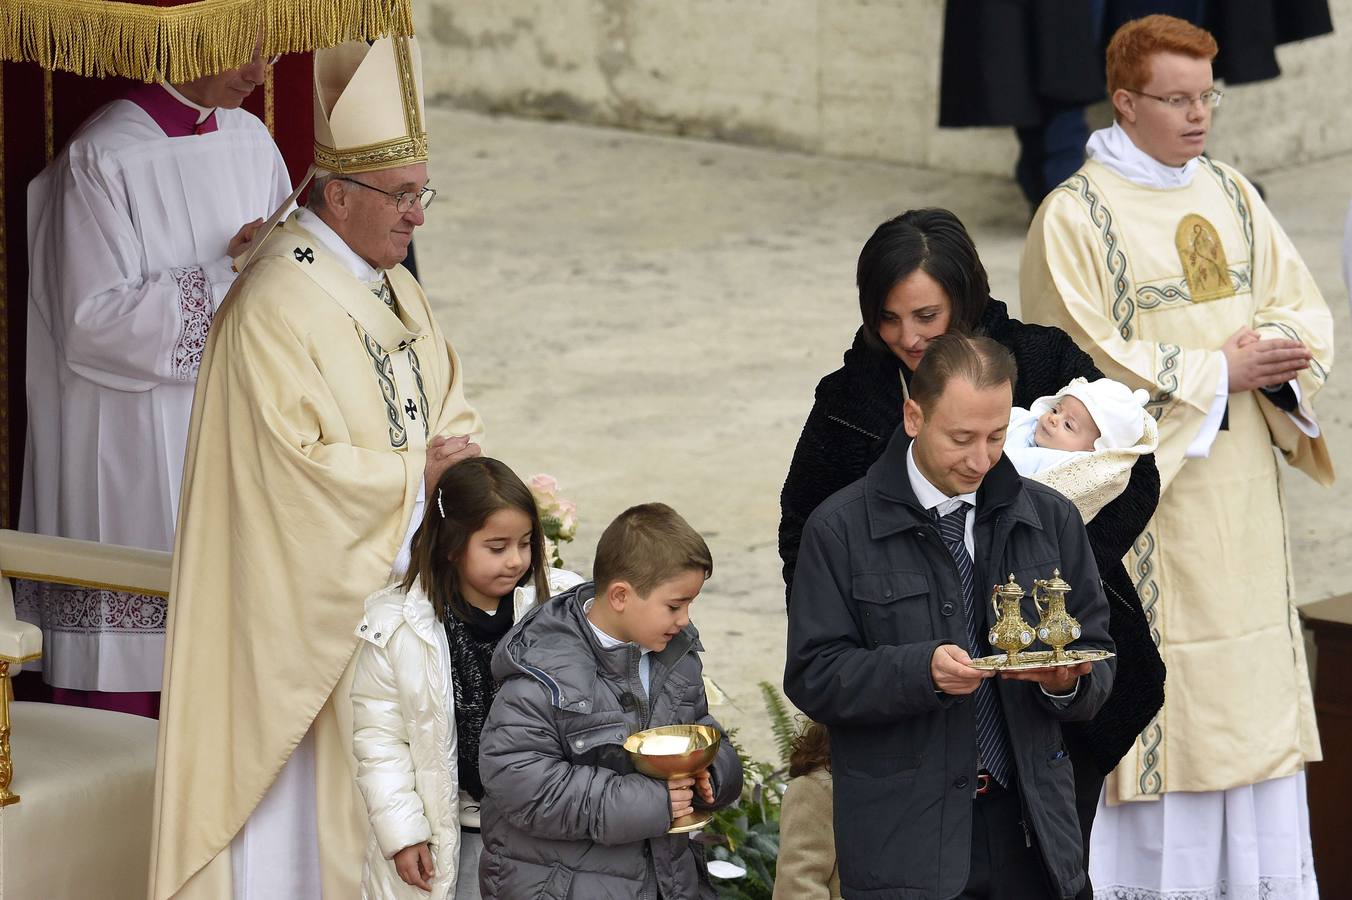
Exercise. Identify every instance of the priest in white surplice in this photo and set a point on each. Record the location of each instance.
(1170, 270)
(131, 230)
(328, 398)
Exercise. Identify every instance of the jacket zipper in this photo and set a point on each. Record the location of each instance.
(998, 540)
(654, 685)
(1113, 595)
(645, 712)
(853, 427)
(957, 577)
(1002, 538)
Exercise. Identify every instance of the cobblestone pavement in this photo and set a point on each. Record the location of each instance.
(645, 318)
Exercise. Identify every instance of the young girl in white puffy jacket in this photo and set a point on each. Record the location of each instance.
(423, 684)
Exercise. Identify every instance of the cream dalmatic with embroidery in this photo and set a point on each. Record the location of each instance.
(1152, 282)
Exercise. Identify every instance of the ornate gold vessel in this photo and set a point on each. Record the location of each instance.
(1011, 633)
(1056, 627)
(676, 751)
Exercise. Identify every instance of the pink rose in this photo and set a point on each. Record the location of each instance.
(567, 514)
(545, 485)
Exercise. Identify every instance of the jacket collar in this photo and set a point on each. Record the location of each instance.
(995, 319)
(391, 607)
(892, 506)
(554, 644)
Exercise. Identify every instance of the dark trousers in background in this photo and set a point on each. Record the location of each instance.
(1004, 866)
(1050, 152)
(1118, 12)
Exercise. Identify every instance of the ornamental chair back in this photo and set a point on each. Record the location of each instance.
(76, 785)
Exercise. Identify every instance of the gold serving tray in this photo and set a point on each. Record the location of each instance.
(1039, 659)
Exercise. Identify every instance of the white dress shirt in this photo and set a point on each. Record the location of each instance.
(931, 497)
(609, 643)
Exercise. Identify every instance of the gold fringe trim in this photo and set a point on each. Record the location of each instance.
(99, 38)
(48, 114)
(270, 103)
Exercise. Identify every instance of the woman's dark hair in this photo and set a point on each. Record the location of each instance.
(933, 241)
(467, 494)
(811, 750)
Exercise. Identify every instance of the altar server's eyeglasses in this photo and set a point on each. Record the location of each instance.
(404, 200)
(1211, 98)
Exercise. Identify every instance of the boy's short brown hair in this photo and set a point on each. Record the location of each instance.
(646, 545)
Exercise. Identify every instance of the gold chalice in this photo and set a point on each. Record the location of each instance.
(676, 751)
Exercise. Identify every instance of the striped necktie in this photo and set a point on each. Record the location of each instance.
(992, 740)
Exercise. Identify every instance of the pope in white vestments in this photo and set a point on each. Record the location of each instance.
(129, 234)
(1170, 270)
(328, 397)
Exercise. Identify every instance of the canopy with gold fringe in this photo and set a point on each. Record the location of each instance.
(65, 58)
(180, 42)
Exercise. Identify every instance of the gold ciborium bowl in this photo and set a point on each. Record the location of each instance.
(676, 751)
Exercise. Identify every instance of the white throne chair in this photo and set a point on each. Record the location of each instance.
(76, 785)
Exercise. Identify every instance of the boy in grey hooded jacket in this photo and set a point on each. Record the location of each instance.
(565, 815)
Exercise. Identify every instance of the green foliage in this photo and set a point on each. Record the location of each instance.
(747, 833)
(782, 722)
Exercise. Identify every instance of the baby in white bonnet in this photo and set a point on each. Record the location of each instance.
(1081, 418)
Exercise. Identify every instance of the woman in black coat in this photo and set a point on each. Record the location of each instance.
(919, 276)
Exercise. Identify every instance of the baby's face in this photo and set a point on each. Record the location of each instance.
(1066, 426)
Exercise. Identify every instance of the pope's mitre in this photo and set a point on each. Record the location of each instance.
(369, 106)
(368, 116)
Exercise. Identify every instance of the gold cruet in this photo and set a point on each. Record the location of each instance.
(1056, 627)
(1011, 633)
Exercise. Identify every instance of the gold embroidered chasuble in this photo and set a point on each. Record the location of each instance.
(305, 456)
(1151, 282)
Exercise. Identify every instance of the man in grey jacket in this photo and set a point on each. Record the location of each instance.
(948, 782)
